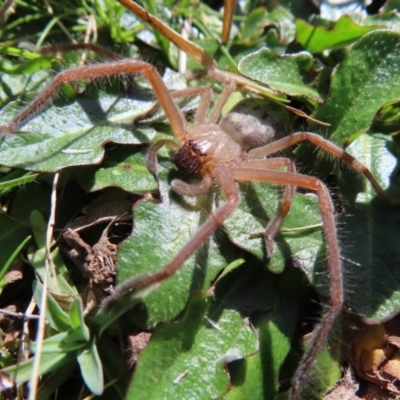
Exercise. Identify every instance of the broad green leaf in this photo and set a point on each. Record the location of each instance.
(364, 81)
(73, 133)
(316, 39)
(282, 18)
(253, 24)
(12, 86)
(161, 230)
(191, 354)
(259, 376)
(291, 74)
(124, 168)
(367, 233)
(370, 245)
(326, 371)
(300, 238)
(91, 369)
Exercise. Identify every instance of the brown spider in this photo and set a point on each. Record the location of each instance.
(207, 149)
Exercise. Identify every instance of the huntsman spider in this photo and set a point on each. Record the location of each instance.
(207, 149)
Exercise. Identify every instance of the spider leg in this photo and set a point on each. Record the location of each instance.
(224, 96)
(192, 189)
(328, 146)
(205, 98)
(173, 113)
(215, 220)
(275, 223)
(151, 157)
(321, 331)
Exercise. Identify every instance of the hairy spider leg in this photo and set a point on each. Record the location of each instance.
(328, 146)
(215, 220)
(205, 99)
(123, 67)
(273, 226)
(323, 328)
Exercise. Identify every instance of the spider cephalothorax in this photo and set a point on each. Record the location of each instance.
(189, 159)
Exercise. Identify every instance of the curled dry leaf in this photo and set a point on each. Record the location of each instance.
(97, 262)
(376, 354)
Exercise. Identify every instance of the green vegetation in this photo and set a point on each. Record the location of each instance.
(214, 334)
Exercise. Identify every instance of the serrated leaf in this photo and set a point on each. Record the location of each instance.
(316, 39)
(363, 82)
(291, 74)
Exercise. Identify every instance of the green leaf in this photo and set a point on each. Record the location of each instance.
(15, 229)
(253, 24)
(363, 82)
(149, 250)
(300, 238)
(371, 250)
(57, 283)
(260, 375)
(39, 227)
(64, 342)
(67, 134)
(49, 362)
(316, 39)
(124, 168)
(13, 256)
(7, 184)
(91, 369)
(76, 318)
(191, 354)
(57, 317)
(114, 364)
(292, 74)
(53, 382)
